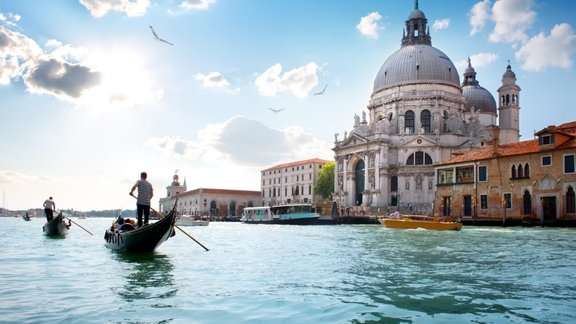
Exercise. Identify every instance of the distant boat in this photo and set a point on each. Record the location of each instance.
(26, 217)
(293, 214)
(146, 238)
(188, 220)
(56, 226)
(420, 221)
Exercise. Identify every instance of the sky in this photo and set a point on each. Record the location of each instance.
(89, 98)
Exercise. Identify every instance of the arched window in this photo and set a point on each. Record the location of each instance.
(527, 170)
(232, 208)
(527, 203)
(514, 172)
(409, 122)
(570, 201)
(419, 158)
(425, 121)
(520, 171)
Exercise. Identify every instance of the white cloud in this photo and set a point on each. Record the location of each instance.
(543, 51)
(511, 18)
(132, 8)
(299, 81)
(368, 25)
(196, 4)
(441, 24)
(78, 75)
(244, 142)
(9, 19)
(478, 60)
(213, 80)
(14, 177)
(479, 14)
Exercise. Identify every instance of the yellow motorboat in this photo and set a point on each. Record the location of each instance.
(419, 221)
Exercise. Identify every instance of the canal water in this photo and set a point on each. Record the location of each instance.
(290, 274)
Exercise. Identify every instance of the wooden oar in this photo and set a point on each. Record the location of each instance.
(181, 230)
(77, 224)
(178, 227)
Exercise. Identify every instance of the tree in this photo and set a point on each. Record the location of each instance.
(325, 184)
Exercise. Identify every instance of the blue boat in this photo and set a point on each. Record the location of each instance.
(293, 214)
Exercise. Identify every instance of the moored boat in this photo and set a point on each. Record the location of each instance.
(145, 238)
(294, 214)
(419, 221)
(188, 220)
(56, 226)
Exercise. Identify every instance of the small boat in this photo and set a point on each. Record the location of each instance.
(419, 221)
(26, 217)
(142, 239)
(294, 214)
(57, 226)
(188, 220)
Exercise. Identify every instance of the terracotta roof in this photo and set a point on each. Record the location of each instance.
(519, 148)
(219, 191)
(297, 163)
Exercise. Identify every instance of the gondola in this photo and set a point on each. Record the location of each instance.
(26, 217)
(56, 226)
(143, 239)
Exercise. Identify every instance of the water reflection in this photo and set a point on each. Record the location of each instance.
(147, 278)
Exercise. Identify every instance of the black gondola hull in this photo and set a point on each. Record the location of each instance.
(55, 227)
(144, 239)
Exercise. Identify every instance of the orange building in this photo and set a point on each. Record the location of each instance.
(525, 182)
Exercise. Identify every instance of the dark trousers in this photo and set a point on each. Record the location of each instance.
(142, 210)
(49, 214)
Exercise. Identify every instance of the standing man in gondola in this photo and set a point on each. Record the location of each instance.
(145, 194)
(49, 207)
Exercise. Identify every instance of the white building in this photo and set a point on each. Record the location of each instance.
(217, 203)
(419, 114)
(291, 182)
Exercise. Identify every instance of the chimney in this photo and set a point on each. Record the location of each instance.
(495, 140)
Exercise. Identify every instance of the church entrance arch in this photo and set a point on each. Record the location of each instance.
(359, 173)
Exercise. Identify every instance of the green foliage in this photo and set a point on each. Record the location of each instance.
(325, 184)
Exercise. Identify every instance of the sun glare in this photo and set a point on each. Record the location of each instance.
(125, 82)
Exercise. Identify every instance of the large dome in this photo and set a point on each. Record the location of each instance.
(479, 98)
(416, 64)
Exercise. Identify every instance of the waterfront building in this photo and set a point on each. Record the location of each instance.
(291, 182)
(528, 181)
(218, 204)
(419, 115)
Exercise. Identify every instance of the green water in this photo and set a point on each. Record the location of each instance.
(290, 274)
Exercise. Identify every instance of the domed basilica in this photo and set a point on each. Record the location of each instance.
(419, 115)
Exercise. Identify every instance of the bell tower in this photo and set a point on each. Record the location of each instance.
(175, 188)
(509, 108)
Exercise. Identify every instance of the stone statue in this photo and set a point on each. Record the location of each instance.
(363, 117)
(356, 120)
(336, 137)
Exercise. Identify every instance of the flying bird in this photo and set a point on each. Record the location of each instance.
(321, 92)
(158, 38)
(276, 110)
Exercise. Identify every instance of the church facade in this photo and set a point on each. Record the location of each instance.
(419, 115)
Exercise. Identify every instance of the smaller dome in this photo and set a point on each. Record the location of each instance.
(509, 73)
(416, 14)
(478, 98)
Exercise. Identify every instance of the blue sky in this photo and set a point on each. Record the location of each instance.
(89, 98)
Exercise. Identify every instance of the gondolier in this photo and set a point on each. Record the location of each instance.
(145, 194)
(49, 207)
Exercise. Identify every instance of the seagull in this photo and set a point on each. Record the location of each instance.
(158, 38)
(321, 92)
(276, 110)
